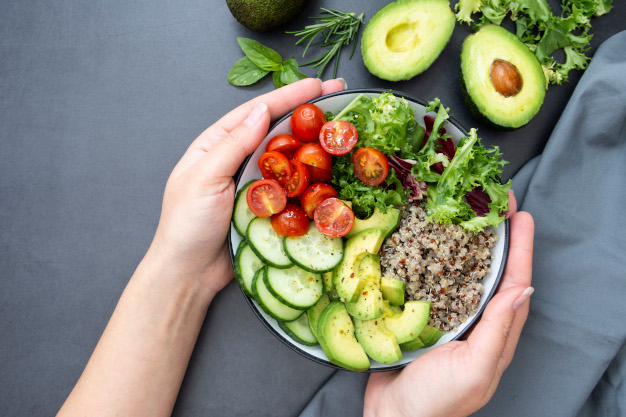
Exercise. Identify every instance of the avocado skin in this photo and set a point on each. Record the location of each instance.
(263, 15)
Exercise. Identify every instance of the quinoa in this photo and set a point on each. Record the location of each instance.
(443, 264)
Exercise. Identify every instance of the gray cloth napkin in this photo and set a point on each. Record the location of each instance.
(571, 358)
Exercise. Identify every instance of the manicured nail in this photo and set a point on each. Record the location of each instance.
(256, 114)
(342, 81)
(523, 298)
(320, 81)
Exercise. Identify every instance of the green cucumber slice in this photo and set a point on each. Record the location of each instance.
(266, 243)
(242, 215)
(294, 286)
(246, 266)
(299, 330)
(314, 251)
(268, 302)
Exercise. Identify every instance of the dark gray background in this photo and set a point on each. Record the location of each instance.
(98, 100)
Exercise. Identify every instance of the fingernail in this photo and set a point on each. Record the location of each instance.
(523, 298)
(320, 81)
(342, 81)
(256, 114)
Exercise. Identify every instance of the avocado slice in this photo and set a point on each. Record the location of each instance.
(386, 221)
(412, 344)
(262, 15)
(369, 305)
(314, 313)
(327, 280)
(430, 335)
(393, 291)
(405, 37)
(501, 79)
(347, 283)
(408, 324)
(335, 333)
(378, 342)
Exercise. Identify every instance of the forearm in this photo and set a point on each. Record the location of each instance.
(141, 358)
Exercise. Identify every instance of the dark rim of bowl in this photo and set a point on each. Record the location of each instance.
(292, 345)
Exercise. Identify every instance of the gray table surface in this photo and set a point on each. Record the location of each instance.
(98, 101)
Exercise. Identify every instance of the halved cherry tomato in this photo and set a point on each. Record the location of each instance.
(284, 143)
(338, 137)
(266, 197)
(313, 154)
(306, 122)
(370, 166)
(275, 166)
(334, 218)
(299, 179)
(314, 195)
(292, 221)
(319, 175)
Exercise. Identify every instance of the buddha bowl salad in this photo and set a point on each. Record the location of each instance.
(369, 233)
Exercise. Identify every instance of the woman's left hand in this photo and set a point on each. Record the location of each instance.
(198, 200)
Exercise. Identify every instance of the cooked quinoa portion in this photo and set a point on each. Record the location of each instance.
(444, 264)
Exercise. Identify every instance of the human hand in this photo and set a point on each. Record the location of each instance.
(460, 377)
(198, 200)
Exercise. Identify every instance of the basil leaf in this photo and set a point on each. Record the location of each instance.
(245, 72)
(289, 74)
(276, 77)
(265, 58)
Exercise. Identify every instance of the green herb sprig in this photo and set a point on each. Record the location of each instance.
(260, 61)
(337, 29)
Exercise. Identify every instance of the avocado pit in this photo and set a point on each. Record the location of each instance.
(506, 78)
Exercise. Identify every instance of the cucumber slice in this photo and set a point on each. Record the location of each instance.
(314, 251)
(294, 286)
(266, 243)
(299, 330)
(246, 265)
(315, 312)
(242, 215)
(268, 302)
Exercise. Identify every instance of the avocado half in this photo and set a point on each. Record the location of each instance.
(262, 15)
(501, 79)
(405, 37)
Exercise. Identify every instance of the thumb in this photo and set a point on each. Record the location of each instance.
(224, 158)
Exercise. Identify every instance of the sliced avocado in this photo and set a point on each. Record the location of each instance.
(262, 15)
(408, 324)
(314, 313)
(347, 283)
(386, 221)
(393, 291)
(412, 344)
(378, 342)
(430, 335)
(369, 305)
(501, 79)
(335, 332)
(327, 280)
(405, 37)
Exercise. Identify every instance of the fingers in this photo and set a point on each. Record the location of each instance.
(333, 86)
(518, 272)
(512, 203)
(227, 154)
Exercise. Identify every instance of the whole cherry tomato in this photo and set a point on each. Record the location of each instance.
(313, 154)
(292, 221)
(306, 122)
(284, 143)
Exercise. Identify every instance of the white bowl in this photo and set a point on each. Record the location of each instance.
(334, 103)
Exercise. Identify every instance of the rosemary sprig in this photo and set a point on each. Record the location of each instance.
(337, 29)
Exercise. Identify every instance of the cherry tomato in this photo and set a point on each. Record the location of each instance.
(285, 144)
(266, 197)
(319, 175)
(292, 221)
(313, 154)
(370, 166)
(275, 166)
(314, 195)
(334, 218)
(306, 122)
(338, 137)
(299, 179)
